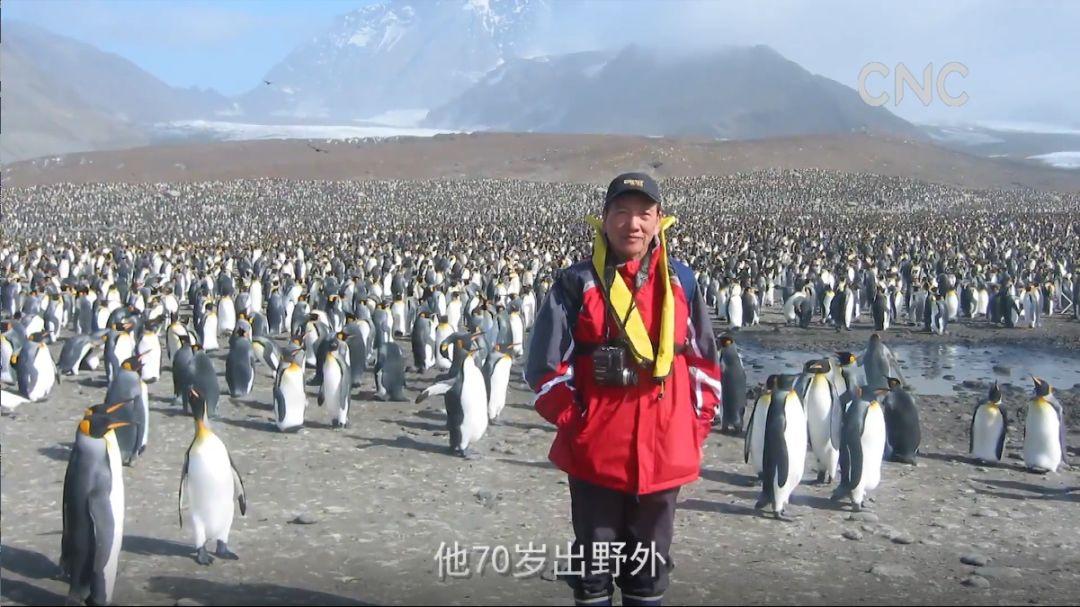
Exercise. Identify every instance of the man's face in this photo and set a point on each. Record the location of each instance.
(631, 222)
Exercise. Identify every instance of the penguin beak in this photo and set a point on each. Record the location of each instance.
(115, 425)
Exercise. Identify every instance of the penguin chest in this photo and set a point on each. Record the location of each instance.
(873, 447)
(46, 375)
(292, 389)
(818, 415)
(757, 432)
(986, 430)
(795, 437)
(333, 384)
(1042, 446)
(735, 311)
(125, 346)
(474, 402)
(210, 485)
(116, 501)
(150, 351)
(500, 378)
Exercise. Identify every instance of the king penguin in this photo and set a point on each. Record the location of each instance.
(1044, 430)
(821, 400)
(211, 482)
(240, 364)
(497, 377)
(733, 387)
(989, 427)
(35, 371)
(93, 509)
(784, 450)
(465, 397)
(862, 447)
(336, 387)
(128, 387)
(754, 442)
(290, 401)
(902, 430)
(79, 354)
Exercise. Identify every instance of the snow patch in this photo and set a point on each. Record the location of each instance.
(1063, 160)
(361, 37)
(236, 131)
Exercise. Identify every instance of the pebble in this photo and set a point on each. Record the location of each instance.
(984, 512)
(1002, 370)
(304, 519)
(901, 538)
(187, 603)
(970, 383)
(974, 559)
(998, 572)
(976, 581)
(891, 571)
(853, 534)
(865, 517)
(948, 377)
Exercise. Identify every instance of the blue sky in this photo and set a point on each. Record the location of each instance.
(227, 45)
(1021, 56)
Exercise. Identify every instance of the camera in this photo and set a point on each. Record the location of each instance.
(612, 367)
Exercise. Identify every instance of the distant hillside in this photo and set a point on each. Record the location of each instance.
(538, 157)
(61, 95)
(735, 93)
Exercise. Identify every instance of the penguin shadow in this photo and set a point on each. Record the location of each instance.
(152, 546)
(968, 460)
(57, 453)
(28, 564)
(816, 502)
(90, 382)
(252, 403)
(172, 411)
(717, 507)
(730, 478)
(545, 464)
(404, 442)
(434, 414)
(1029, 491)
(251, 424)
(18, 591)
(209, 592)
(416, 425)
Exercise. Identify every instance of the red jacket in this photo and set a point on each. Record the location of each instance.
(637, 439)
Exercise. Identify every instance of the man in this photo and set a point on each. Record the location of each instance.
(623, 362)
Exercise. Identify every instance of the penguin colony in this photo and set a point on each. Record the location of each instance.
(337, 286)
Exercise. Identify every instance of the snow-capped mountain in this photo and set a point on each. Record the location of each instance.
(396, 54)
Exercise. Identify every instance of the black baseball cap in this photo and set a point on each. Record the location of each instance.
(626, 183)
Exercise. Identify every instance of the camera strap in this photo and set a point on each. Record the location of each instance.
(620, 302)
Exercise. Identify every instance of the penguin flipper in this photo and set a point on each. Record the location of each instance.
(180, 494)
(101, 525)
(279, 404)
(749, 434)
(971, 433)
(238, 487)
(435, 390)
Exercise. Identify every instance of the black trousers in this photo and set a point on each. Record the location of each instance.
(644, 523)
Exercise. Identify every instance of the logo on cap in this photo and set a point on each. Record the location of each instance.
(637, 183)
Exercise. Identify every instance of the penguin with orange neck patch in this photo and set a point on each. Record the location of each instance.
(93, 508)
(211, 482)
